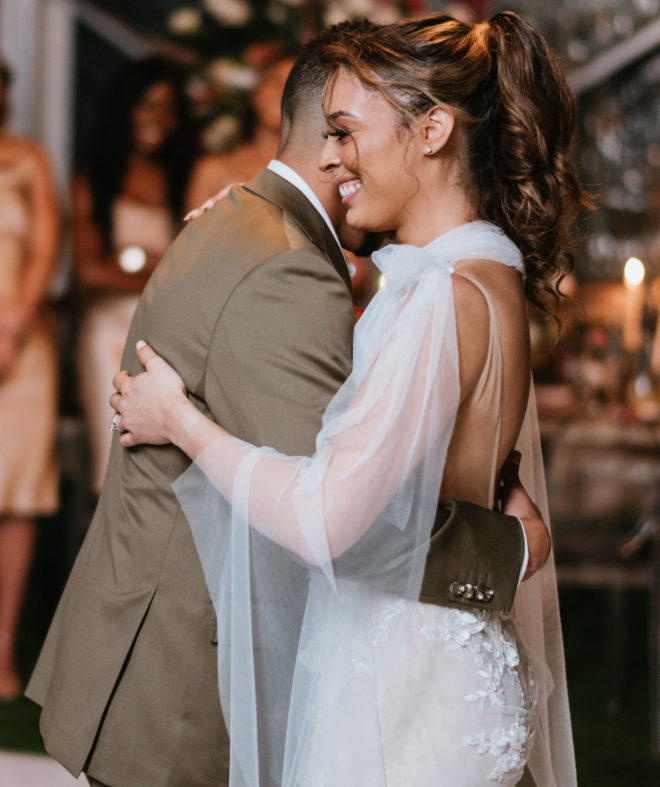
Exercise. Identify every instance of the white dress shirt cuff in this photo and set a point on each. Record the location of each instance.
(525, 559)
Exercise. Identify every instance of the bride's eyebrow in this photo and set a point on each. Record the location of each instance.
(341, 113)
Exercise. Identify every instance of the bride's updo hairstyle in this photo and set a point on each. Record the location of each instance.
(502, 82)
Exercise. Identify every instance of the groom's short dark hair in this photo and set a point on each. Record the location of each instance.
(309, 74)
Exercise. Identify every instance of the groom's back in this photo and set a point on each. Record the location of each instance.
(257, 320)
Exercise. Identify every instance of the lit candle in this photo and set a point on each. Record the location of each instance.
(633, 278)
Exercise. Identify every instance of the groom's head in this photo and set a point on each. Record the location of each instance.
(303, 124)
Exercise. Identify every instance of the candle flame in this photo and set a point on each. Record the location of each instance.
(634, 272)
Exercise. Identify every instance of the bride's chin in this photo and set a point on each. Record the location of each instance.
(357, 221)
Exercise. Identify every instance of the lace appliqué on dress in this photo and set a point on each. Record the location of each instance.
(376, 634)
(490, 639)
(509, 746)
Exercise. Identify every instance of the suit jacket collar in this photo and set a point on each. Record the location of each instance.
(270, 186)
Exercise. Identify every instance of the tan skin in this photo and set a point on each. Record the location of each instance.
(214, 172)
(17, 532)
(154, 118)
(154, 407)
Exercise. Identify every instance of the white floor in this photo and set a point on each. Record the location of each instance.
(33, 770)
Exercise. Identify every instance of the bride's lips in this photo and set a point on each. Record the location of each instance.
(348, 189)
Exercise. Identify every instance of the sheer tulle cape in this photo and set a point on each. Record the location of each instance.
(288, 544)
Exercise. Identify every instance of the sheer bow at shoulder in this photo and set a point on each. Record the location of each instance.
(292, 547)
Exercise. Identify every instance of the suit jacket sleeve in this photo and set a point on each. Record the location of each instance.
(474, 558)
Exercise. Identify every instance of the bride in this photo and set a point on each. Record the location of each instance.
(456, 138)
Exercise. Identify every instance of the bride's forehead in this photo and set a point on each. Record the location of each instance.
(341, 84)
(345, 92)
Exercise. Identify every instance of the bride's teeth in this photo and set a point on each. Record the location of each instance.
(348, 188)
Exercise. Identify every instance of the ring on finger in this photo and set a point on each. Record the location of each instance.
(113, 426)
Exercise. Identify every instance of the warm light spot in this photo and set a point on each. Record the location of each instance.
(381, 281)
(634, 272)
(643, 386)
(132, 259)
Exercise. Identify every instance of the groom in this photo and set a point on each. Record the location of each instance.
(251, 304)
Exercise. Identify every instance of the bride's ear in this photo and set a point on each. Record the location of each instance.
(437, 126)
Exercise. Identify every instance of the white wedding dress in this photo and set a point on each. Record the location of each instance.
(376, 689)
(455, 706)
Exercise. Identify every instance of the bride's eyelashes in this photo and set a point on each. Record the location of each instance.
(339, 134)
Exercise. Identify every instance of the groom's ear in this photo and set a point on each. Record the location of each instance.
(437, 126)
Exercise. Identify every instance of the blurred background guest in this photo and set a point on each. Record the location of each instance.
(29, 226)
(260, 135)
(128, 204)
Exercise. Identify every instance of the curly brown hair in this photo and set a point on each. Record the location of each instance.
(502, 82)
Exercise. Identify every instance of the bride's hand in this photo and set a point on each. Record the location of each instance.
(152, 404)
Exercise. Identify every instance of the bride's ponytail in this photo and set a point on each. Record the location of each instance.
(531, 188)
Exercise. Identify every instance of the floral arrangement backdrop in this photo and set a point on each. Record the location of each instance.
(232, 37)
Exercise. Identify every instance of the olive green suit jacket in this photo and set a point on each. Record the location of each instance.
(251, 304)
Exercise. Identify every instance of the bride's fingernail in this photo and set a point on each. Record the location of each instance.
(141, 344)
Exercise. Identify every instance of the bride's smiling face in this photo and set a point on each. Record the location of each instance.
(373, 159)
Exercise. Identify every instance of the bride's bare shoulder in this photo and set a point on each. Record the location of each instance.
(469, 302)
(503, 284)
(472, 329)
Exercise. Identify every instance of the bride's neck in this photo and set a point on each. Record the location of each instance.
(436, 210)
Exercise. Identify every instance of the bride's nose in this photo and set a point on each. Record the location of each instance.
(329, 159)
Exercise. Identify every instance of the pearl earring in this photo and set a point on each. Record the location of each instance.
(427, 149)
